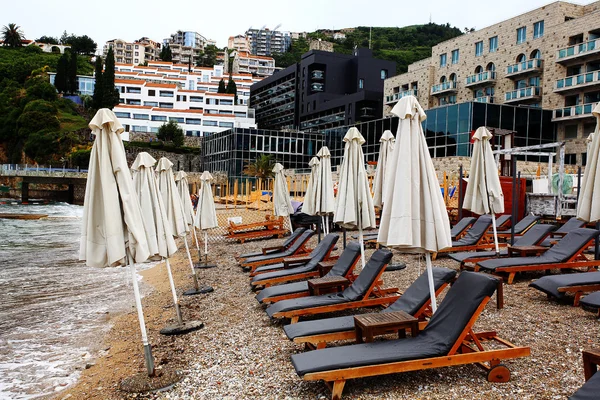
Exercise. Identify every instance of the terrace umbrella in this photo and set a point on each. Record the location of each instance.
(310, 196)
(183, 188)
(588, 208)
(414, 218)
(386, 147)
(484, 193)
(325, 203)
(158, 231)
(281, 195)
(206, 216)
(176, 215)
(354, 205)
(112, 231)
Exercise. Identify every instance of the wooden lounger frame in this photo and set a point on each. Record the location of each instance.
(464, 231)
(380, 297)
(486, 242)
(467, 349)
(578, 291)
(269, 227)
(591, 360)
(294, 261)
(578, 260)
(507, 235)
(320, 341)
(302, 251)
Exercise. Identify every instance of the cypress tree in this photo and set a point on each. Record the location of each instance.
(60, 80)
(98, 97)
(111, 94)
(232, 89)
(72, 74)
(222, 88)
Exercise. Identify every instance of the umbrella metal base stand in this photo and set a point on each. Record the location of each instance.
(200, 290)
(396, 267)
(163, 380)
(206, 264)
(186, 327)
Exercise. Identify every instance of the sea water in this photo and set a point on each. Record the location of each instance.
(53, 308)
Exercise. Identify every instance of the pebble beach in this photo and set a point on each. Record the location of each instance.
(241, 354)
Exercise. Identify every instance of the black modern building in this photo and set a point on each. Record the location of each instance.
(324, 90)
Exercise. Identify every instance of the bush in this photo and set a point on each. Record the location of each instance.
(80, 158)
(42, 145)
(171, 132)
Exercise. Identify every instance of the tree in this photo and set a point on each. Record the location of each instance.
(72, 83)
(79, 44)
(98, 98)
(166, 54)
(64, 38)
(208, 58)
(111, 94)
(60, 80)
(222, 88)
(171, 132)
(47, 39)
(261, 168)
(12, 35)
(232, 89)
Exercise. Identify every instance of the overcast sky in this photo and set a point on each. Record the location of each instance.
(157, 19)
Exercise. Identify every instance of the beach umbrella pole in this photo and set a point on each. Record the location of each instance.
(430, 279)
(206, 264)
(197, 289)
(174, 293)
(196, 239)
(362, 247)
(495, 234)
(138, 306)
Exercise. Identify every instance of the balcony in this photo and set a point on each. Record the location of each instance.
(577, 82)
(317, 75)
(397, 96)
(578, 51)
(531, 93)
(573, 112)
(317, 87)
(480, 79)
(528, 67)
(446, 87)
(484, 99)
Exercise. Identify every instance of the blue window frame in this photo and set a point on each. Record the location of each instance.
(538, 29)
(455, 56)
(521, 34)
(493, 44)
(443, 60)
(479, 48)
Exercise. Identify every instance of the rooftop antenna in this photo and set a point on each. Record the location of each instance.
(430, 18)
(370, 36)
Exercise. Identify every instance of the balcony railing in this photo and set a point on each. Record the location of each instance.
(317, 74)
(528, 93)
(480, 78)
(448, 86)
(525, 67)
(578, 50)
(484, 99)
(573, 112)
(397, 96)
(577, 81)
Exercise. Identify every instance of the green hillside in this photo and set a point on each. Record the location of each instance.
(403, 45)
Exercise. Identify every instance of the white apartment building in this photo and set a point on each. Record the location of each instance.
(186, 45)
(163, 91)
(246, 63)
(266, 42)
(138, 52)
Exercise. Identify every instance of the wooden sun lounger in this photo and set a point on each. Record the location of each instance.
(271, 226)
(476, 237)
(298, 249)
(447, 340)
(274, 249)
(577, 284)
(591, 387)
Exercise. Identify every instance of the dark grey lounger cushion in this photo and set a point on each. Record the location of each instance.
(410, 302)
(475, 232)
(461, 226)
(590, 390)
(522, 225)
(592, 300)
(316, 256)
(291, 250)
(558, 253)
(530, 238)
(550, 284)
(341, 268)
(285, 244)
(444, 328)
(354, 292)
(568, 226)
(502, 220)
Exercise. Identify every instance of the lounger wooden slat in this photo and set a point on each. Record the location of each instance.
(269, 227)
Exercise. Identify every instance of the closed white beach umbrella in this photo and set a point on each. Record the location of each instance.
(282, 204)
(588, 208)
(414, 218)
(206, 214)
(354, 204)
(176, 214)
(183, 188)
(310, 196)
(484, 193)
(112, 228)
(325, 203)
(386, 147)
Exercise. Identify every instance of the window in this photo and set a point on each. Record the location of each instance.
(443, 58)
(571, 159)
(535, 55)
(209, 123)
(571, 132)
(122, 114)
(361, 83)
(455, 56)
(137, 54)
(151, 92)
(159, 118)
(196, 99)
(226, 102)
(479, 48)
(135, 90)
(384, 74)
(538, 29)
(165, 105)
(493, 44)
(521, 34)
(164, 93)
(226, 124)
(140, 116)
(181, 98)
(179, 120)
(193, 121)
(151, 103)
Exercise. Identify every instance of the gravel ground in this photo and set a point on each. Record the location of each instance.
(241, 354)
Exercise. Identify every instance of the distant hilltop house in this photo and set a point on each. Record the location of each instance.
(46, 47)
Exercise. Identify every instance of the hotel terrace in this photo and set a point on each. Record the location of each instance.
(547, 59)
(163, 91)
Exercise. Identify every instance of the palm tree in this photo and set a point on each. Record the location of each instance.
(262, 168)
(12, 35)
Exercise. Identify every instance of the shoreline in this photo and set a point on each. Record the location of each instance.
(120, 353)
